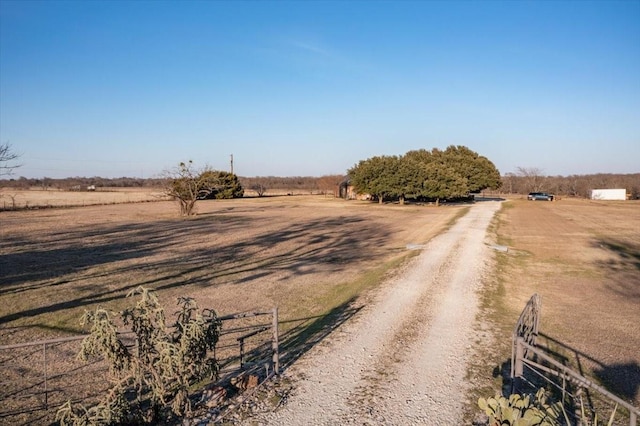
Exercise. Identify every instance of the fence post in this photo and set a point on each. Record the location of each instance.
(46, 394)
(274, 342)
(517, 365)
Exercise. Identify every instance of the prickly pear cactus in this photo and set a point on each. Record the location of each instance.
(520, 410)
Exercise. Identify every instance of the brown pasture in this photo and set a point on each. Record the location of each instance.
(304, 254)
(14, 198)
(583, 258)
(11, 198)
(308, 255)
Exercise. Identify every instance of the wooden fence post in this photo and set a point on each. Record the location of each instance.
(274, 342)
(46, 391)
(519, 365)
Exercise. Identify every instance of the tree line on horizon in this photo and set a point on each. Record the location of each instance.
(309, 184)
(526, 180)
(522, 181)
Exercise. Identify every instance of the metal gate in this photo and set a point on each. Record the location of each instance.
(532, 367)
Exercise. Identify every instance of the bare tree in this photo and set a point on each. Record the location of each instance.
(508, 182)
(186, 185)
(329, 184)
(7, 156)
(260, 188)
(534, 179)
(13, 200)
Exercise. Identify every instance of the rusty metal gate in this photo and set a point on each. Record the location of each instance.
(37, 377)
(533, 366)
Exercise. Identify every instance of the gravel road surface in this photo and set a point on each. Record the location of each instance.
(402, 359)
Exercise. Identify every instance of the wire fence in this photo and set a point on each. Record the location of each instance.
(38, 377)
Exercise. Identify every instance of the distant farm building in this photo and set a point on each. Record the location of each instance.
(348, 192)
(609, 194)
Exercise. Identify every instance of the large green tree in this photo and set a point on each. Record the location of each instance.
(221, 185)
(443, 181)
(478, 170)
(377, 176)
(435, 174)
(412, 174)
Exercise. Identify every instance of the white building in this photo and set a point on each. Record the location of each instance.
(609, 194)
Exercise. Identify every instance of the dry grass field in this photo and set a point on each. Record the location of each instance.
(311, 255)
(303, 254)
(583, 258)
(308, 255)
(20, 198)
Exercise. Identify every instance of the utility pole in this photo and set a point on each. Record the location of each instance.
(231, 163)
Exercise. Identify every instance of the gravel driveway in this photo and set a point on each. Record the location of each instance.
(402, 358)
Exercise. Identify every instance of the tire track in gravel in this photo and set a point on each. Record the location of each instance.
(402, 359)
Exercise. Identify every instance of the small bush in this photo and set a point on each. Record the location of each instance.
(157, 372)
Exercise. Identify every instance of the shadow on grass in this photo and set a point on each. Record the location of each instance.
(96, 266)
(622, 380)
(619, 379)
(300, 335)
(308, 332)
(628, 253)
(623, 268)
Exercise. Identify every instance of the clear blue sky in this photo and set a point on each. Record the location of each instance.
(121, 88)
